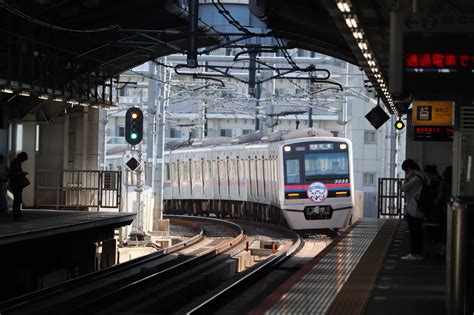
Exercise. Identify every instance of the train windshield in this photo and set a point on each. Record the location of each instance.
(320, 161)
(321, 164)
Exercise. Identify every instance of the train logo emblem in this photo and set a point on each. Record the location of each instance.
(317, 192)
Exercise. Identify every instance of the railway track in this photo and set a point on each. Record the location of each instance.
(72, 294)
(197, 279)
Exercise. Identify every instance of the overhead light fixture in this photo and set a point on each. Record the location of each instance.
(44, 97)
(24, 93)
(7, 90)
(348, 22)
(357, 35)
(354, 22)
(72, 102)
(340, 6)
(58, 99)
(84, 104)
(346, 6)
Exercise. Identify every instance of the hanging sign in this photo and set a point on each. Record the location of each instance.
(433, 113)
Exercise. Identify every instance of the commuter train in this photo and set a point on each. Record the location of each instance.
(306, 181)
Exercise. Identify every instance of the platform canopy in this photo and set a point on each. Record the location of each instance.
(73, 50)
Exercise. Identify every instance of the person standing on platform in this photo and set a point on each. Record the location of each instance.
(17, 182)
(3, 185)
(413, 186)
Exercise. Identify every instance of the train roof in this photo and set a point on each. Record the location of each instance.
(257, 138)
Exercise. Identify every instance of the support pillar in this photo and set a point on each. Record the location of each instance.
(66, 142)
(29, 146)
(85, 137)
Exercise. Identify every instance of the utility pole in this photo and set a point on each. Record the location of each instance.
(201, 125)
(151, 108)
(311, 99)
(160, 227)
(254, 88)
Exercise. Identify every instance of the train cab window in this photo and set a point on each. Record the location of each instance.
(317, 164)
(293, 171)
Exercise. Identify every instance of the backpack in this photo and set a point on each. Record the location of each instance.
(425, 201)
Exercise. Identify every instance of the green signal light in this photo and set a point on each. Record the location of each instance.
(133, 135)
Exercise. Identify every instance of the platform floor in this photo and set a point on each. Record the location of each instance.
(361, 273)
(40, 223)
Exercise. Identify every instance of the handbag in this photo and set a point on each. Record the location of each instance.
(24, 182)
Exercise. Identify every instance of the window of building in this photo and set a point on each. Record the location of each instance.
(121, 132)
(226, 132)
(280, 91)
(301, 53)
(369, 179)
(246, 131)
(299, 91)
(369, 137)
(174, 133)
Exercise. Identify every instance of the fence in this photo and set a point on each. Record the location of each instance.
(390, 197)
(77, 189)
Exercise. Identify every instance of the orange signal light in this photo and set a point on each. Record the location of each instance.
(134, 115)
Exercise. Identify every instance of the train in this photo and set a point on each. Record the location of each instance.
(303, 179)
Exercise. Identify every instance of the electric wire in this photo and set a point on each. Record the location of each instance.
(31, 19)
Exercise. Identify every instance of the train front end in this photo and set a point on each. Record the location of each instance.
(317, 186)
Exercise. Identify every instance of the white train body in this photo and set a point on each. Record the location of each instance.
(307, 181)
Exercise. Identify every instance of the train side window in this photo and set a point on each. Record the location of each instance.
(264, 175)
(178, 175)
(173, 171)
(257, 173)
(185, 170)
(293, 171)
(229, 174)
(237, 171)
(250, 176)
(218, 176)
(167, 171)
(208, 170)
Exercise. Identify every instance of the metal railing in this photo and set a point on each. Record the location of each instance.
(390, 197)
(77, 189)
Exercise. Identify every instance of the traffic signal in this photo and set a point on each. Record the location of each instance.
(134, 126)
(399, 124)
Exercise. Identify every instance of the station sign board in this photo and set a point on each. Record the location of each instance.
(434, 133)
(437, 64)
(433, 113)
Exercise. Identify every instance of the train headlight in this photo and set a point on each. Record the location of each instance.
(343, 146)
(287, 149)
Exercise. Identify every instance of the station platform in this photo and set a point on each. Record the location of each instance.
(50, 246)
(361, 272)
(47, 223)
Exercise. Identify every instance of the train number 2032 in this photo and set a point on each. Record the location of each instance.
(341, 181)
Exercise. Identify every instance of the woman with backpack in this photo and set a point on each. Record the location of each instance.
(412, 186)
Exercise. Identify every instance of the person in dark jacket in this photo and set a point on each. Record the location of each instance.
(412, 186)
(3, 185)
(18, 181)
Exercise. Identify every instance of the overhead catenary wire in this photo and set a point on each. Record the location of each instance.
(31, 19)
